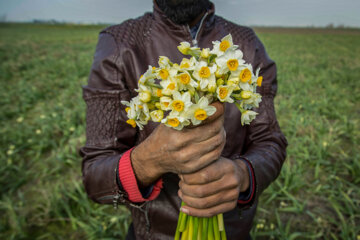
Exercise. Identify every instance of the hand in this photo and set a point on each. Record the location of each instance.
(185, 151)
(214, 189)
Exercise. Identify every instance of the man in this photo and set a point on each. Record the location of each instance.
(217, 167)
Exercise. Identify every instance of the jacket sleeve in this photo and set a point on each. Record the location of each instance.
(265, 146)
(108, 135)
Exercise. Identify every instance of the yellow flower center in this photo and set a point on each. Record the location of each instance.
(259, 81)
(224, 45)
(127, 109)
(178, 105)
(184, 65)
(171, 86)
(245, 75)
(223, 92)
(204, 72)
(159, 93)
(131, 122)
(166, 104)
(174, 122)
(184, 78)
(232, 64)
(200, 114)
(163, 74)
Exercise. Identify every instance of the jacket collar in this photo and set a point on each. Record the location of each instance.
(162, 19)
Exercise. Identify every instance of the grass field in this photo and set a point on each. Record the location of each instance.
(42, 68)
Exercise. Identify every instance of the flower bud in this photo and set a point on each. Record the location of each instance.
(157, 115)
(145, 96)
(205, 53)
(184, 47)
(245, 94)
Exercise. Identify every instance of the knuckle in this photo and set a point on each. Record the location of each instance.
(204, 177)
(199, 192)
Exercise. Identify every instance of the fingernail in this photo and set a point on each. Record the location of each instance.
(184, 210)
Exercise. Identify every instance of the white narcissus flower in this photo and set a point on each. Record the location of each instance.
(185, 81)
(144, 93)
(164, 62)
(257, 79)
(247, 116)
(224, 93)
(147, 76)
(244, 73)
(165, 103)
(200, 111)
(175, 121)
(181, 102)
(230, 61)
(187, 64)
(204, 74)
(253, 101)
(137, 112)
(169, 86)
(219, 48)
(157, 115)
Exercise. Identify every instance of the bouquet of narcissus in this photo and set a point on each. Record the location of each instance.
(180, 94)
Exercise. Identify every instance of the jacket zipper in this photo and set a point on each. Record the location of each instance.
(195, 41)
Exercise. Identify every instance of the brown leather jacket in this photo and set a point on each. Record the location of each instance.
(123, 53)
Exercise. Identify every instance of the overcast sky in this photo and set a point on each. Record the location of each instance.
(246, 12)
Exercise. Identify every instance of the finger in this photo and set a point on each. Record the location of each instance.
(205, 131)
(209, 212)
(205, 190)
(208, 174)
(210, 201)
(200, 161)
(220, 109)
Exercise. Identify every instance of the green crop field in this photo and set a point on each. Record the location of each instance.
(42, 68)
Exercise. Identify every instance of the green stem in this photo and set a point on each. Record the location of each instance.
(204, 228)
(195, 228)
(199, 229)
(183, 222)
(216, 228)
(177, 233)
(150, 84)
(220, 222)
(210, 233)
(191, 227)
(223, 235)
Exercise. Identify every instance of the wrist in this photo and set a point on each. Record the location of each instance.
(144, 171)
(245, 175)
